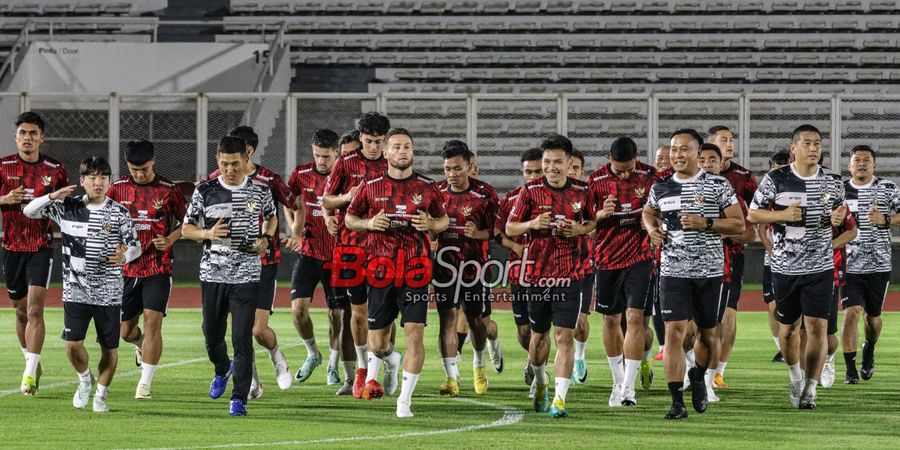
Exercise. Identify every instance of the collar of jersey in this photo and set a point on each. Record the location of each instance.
(863, 186)
(797, 174)
(39, 160)
(549, 186)
(399, 180)
(688, 180)
(84, 199)
(233, 188)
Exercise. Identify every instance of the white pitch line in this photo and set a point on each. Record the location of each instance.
(511, 416)
(128, 373)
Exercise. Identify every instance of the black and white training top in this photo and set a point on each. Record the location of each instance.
(90, 236)
(870, 252)
(691, 253)
(803, 247)
(231, 260)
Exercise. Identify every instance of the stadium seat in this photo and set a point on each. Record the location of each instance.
(835, 75)
(574, 59)
(869, 75)
(883, 6)
(687, 7)
(678, 44)
(738, 59)
(613, 43)
(802, 76)
(678, 60)
(748, 43)
(642, 60)
(401, 7)
(414, 60)
(495, 7)
(387, 59)
(777, 43)
(645, 43)
(623, 6)
(490, 27)
(746, 25)
(448, 60)
(812, 43)
(877, 44)
(558, 7)
(277, 8)
(464, 7)
(473, 75)
(813, 26)
(650, 26)
(773, 60)
(572, 75)
(850, 6)
(655, 7)
(619, 25)
(684, 26)
(370, 7)
(547, 59)
(506, 75)
(785, 6)
(592, 6)
(478, 60)
(487, 43)
(719, 7)
(60, 9)
(843, 43)
(339, 7)
(805, 60)
(549, 44)
(780, 25)
(584, 26)
(873, 60)
(587, 43)
(433, 7)
(604, 75)
(715, 25)
(511, 59)
(554, 27)
(711, 60)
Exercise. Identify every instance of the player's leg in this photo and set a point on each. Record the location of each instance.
(214, 305)
(37, 277)
(540, 316)
(448, 311)
(676, 300)
(76, 318)
(492, 331)
(769, 299)
(107, 323)
(635, 286)
(383, 309)
(828, 370)
(707, 310)
(877, 285)
(265, 335)
(565, 312)
(789, 312)
(462, 332)
(243, 303)
(475, 309)
(305, 277)
(414, 311)
(17, 288)
(132, 308)
(728, 331)
(611, 304)
(852, 304)
(519, 298)
(583, 330)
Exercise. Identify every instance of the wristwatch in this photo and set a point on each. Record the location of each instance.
(709, 223)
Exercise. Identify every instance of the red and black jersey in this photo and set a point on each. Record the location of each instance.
(734, 247)
(401, 200)
(840, 254)
(484, 188)
(620, 240)
(281, 194)
(156, 209)
(477, 204)
(551, 255)
(503, 209)
(351, 170)
(742, 180)
(308, 184)
(44, 176)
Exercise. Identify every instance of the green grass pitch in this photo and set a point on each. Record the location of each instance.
(754, 411)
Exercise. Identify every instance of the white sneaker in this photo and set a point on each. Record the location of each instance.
(83, 393)
(138, 357)
(796, 390)
(616, 397)
(711, 396)
(142, 392)
(390, 377)
(827, 374)
(100, 404)
(256, 391)
(628, 397)
(404, 409)
(532, 391)
(283, 372)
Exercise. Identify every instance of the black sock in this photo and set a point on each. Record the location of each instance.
(675, 391)
(698, 373)
(460, 341)
(868, 350)
(850, 361)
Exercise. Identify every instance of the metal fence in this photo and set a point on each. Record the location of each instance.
(185, 127)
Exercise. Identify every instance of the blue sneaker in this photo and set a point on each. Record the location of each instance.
(579, 372)
(219, 383)
(238, 408)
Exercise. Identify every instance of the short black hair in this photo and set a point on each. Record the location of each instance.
(348, 137)
(557, 142)
(374, 124)
(711, 147)
(805, 128)
(325, 138)
(694, 134)
(456, 148)
(246, 134)
(623, 149)
(139, 152)
(230, 145)
(532, 154)
(396, 132)
(863, 148)
(781, 157)
(715, 129)
(32, 118)
(95, 165)
(577, 154)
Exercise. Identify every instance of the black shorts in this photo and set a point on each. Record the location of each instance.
(691, 298)
(833, 312)
(867, 290)
(587, 293)
(25, 269)
(386, 303)
(356, 293)
(475, 299)
(768, 289)
(807, 295)
(654, 295)
(736, 281)
(305, 277)
(519, 299)
(557, 305)
(77, 317)
(268, 281)
(624, 288)
(151, 293)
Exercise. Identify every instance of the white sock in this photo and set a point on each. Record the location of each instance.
(617, 369)
(478, 358)
(333, 357)
(720, 369)
(689, 359)
(147, 371)
(450, 367)
(349, 370)
(777, 343)
(101, 391)
(708, 377)
(830, 358)
(373, 366)
(254, 380)
(562, 388)
(361, 359)
(31, 363)
(631, 371)
(662, 348)
(540, 373)
(408, 386)
(796, 374)
(494, 345)
(810, 386)
(274, 354)
(85, 376)
(646, 356)
(579, 349)
(311, 348)
(139, 343)
(24, 351)
(392, 361)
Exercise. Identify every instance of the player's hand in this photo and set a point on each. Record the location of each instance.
(161, 242)
(422, 222)
(657, 237)
(838, 215)
(767, 244)
(518, 249)
(118, 257)
(294, 243)
(609, 207)
(541, 222)
(793, 213)
(875, 217)
(331, 224)
(570, 228)
(62, 193)
(693, 222)
(378, 222)
(260, 245)
(15, 196)
(218, 231)
(348, 197)
(470, 230)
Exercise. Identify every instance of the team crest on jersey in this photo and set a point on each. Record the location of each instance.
(416, 199)
(466, 210)
(826, 197)
(251, 206)
(873, 203)
(107, 228)
(45, 180)
(576, 207)
(640, 191)
(157, 203)
(699, 200)
(125, 203)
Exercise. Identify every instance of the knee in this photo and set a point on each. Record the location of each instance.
(300, 309)
(612, 321)
(35, 313)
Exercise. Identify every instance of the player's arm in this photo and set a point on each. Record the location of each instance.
(653, 224)
(39, 207)
(748, 236)
(194, 215)
(732, 223)
(843, 239)
(424, 222)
